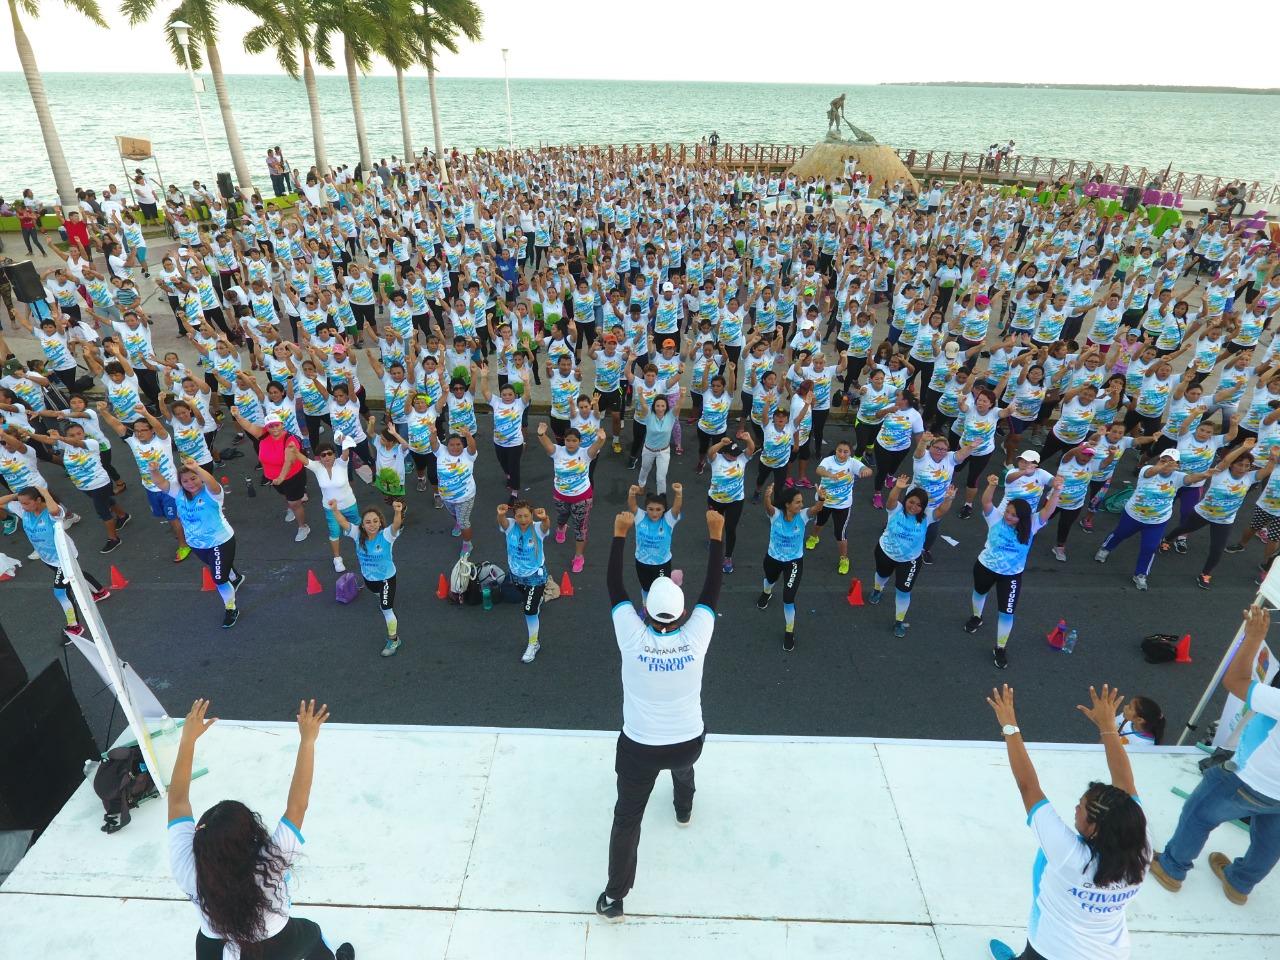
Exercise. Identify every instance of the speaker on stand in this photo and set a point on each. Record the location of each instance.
(25, 280)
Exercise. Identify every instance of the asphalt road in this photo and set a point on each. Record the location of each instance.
(848, 676)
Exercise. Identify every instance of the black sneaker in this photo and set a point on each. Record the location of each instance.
(788, 640)
(966, 511)
(124, 521)
(611, 910)
(110, 545)
(762, 601)
(1234, 548)
(999, 657)
(927, 557)
(682, 819)
(345, 952)
(230, 617)
(238, 582)
(972, 624)
(1204, 581)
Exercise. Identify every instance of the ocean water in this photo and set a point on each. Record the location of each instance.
(1236, 135)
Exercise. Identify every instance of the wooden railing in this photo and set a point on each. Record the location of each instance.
(948, 164)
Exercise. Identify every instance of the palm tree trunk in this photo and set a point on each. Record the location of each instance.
(313, 104)
(353, 83)
(404, 115)
(211, 57)
(435, 118)
(35, 84)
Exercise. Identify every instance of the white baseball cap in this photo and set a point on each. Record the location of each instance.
(1030, 456)
(665, 602)
(1172, 454)
(668, 287)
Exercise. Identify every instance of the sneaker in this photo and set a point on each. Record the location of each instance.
(805, 483)
(288, 516)
(927, 557)
(679, 451)
(790, 484)
(33, 555)
(110, 545)
(9, 526)
(181, 554)
(1180, 545)
(345, 952)
(1101, 555)
(1060, 554)
(727, 566)
(900, 629)
(391, 646)
(72, 520)
(338, 565)
(762, 601)
(579, 561)
(238, 582)
(611, 910)
(683, 819)
(1229, 548)
(1204, 581)
(972, 624)
(875, 596)
(1086, 523)
(1001, 951)
(788, 640)
(1218, 863)
(1165, 546)
(438, 502)
(422, 484)
(560, 532)
(100, 595)
(75, 630)
(1140, 581)
(999, 658)
(966, 511)
(230, 617)
(810, 542)
(124, 521)
(617, 445)
(877, 501)
(701, 468)
(843, 565)
(456, 531)
(466, 549)
(530, 651)
(1162, 878)
(302, 534)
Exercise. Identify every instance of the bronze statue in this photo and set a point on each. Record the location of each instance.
(835, 117)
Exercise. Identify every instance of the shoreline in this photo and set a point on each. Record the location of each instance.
(1109, 87)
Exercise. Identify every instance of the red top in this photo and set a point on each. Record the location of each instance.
(77, 232)
(271, 455)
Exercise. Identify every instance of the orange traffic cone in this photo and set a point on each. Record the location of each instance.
(206, 581)
(1184, 649)
(566, 585)
(855, 593)
(118, 582)
(442, 588)
(313, 584)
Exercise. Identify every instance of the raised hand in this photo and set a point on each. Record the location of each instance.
(310, 719)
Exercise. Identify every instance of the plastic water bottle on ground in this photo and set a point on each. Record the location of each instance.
(488, 598)
(1070, 643)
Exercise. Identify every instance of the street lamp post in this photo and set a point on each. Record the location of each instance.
(182, 33)
(506, 81)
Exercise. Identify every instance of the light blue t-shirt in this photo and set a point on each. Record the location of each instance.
(653, 538)
(658, 430)
(786, 537)
(903, 537)
(201, 515)
(1003, 554)
(375, 553)
(524, 552)
(39, 530)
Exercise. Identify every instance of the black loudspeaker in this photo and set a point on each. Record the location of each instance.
(13, 675)
(225, 186)
(1132, 197)
(44, 742)
(25, 279)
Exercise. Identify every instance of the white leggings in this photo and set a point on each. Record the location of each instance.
(647, 461)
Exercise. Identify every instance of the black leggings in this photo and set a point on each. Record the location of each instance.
(385, 589)
(1055, 444)
(638, 431)
(221, 561)
(426, 462)
(865, 435)
(732, 513)
(763, 473)
(841, 525)
(646, 573)
(1066, 519)
(1219, 533)
(509, 461)
(888, 462)
(788, 571)
(60, 580)
(1008, 586)
(705, 440)
(904, 571)
(815, 433)
(977, 466)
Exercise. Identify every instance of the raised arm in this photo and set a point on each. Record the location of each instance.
(622, 524)
(1024, 772)
(310, 719)
(1102, 711)
(710, 595)
(180, 781)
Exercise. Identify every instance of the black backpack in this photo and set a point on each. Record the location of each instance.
(122, 782)
(1160, 648)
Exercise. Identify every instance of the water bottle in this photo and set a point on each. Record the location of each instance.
(1070, 643)
(488, 598)
(249, 488)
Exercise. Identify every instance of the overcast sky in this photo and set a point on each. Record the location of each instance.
(813, 41)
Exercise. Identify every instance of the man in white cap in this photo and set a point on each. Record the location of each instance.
(663, 652)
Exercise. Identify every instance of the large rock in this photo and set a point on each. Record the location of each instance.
(826, 160)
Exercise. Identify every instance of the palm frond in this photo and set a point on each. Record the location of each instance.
(135, 11)
(88, 9)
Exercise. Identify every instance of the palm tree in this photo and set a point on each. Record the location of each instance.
(285, 27)
(202, 18)
(35, 84)
(437, 28)
(392, 40)
(357, 23)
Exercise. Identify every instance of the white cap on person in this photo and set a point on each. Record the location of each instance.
(668, 287)
(1171, 454)
(1030, 456)
(665, 602)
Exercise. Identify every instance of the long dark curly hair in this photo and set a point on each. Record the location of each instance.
(236, 866)
(1119, 843)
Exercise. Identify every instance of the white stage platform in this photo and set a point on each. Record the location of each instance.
(476, 844)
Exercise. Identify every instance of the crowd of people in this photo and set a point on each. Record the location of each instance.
(1034, 363)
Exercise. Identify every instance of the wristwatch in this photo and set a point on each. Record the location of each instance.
(1009, 730)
